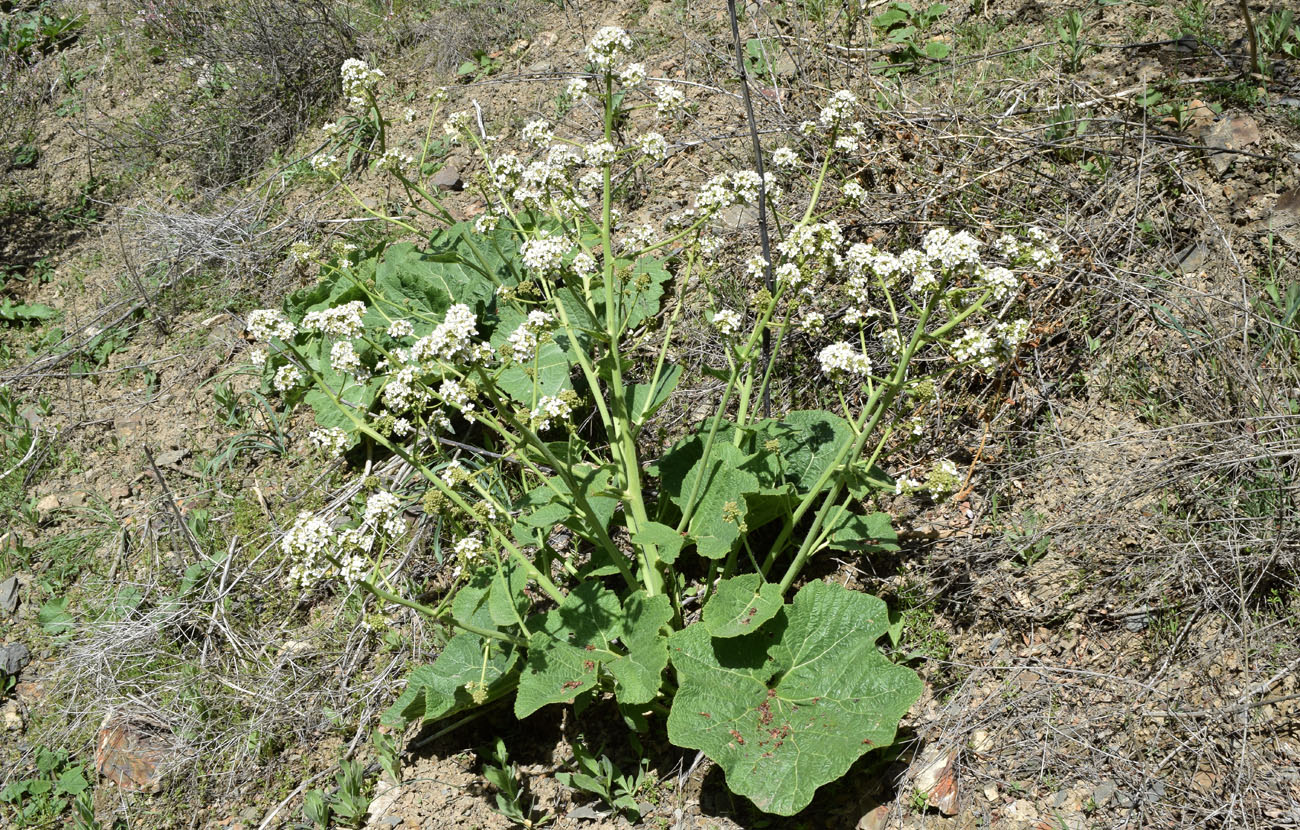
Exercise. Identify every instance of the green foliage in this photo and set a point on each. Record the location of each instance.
(510, 795)
(11, 312)
(791, 706)
(905, 26)
(28, 35)
(1279, 34)
(537, 343)
(1070, 30)
(41, 798)
(479, 66)
(600, 777)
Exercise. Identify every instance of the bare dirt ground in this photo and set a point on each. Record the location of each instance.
(1106, 616)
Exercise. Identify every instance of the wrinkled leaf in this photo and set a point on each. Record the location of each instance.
(790, 707)
(875, 531)
(741, 605)
(590, 630)
(437, 690)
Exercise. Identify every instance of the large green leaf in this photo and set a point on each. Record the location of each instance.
(644, 399)
(792, 706)
(548, 373)
(430, 281)
(591, 629)
(874, 531)
(741, 605)
(809, 440)
(721, 505)
(437, 690)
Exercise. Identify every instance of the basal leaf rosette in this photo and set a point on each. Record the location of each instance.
(791, 706)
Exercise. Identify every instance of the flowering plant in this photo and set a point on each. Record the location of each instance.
(514, 363)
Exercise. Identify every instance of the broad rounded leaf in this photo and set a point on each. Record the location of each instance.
(591, 629)
(740, 605)
(438, 690)
(790, 707)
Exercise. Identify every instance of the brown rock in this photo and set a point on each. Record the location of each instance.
(1235, 133)
(447, 177)
(937, 779)
(1285, 218)
(132, 752)
(874, 820)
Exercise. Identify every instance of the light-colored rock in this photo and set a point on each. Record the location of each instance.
(936, 777)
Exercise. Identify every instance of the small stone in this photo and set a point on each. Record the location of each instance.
(77, 498)
(118, 492)
(874, 820)
(170, 458)
(447, 178)
(1191, 258)
(13, 658)
(736, 217)
(937, 779)
(991, 791)
(47, 505)
(1233, 133)
(1022, 809)
(9, 595)
(12, 717)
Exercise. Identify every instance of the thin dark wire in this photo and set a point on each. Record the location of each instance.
(762, 194)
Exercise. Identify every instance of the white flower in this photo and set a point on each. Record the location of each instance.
(451, 340)
(669, 100)
(545, 254)
(654, 146)
(400, 328)
(756, 267)
(286, 377)
(855, 193)
(538, 133)
(301, 252)
(340, 321)
(469, 549)
(486, 223)
(812, 322)
(392, 161)
(329, 440)
(951, 250)
(790, 274)
(846, 144)
(257, 356)
(358, 79)
(606, 46)
(632, 75)
(408, 116)
(840, 361)
(584, 264)
(550, 408)
(267, 323)
(1001, 282)
(727, 322)
(576, 89)
(600, 153)
(838, 109)
(976, 347)
(784, 158)
(344, 358)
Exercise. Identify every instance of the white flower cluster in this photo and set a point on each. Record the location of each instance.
(400, 328)
(345, 360)
(455, 394)
(839, 109)
(550, 408)
(538, 133)
(950, 251)
(286, 378)
(840, 362)
(308, 540)
(469, 549)
(331, 441)
(358, 80)
(727, 322)
(576, 89)
(523, 340)
(654, 146)
(738, 187)
(670, 101)
(340, 321)
(394, 161)
(987, 349)
(267, 323)
(784, 158)
(451, 341)
(1001, 282)
(544, 255)
(383, 513)
(600, 153)
(301, 252)
(606, 46)
(1038, 250)
(632, 75)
